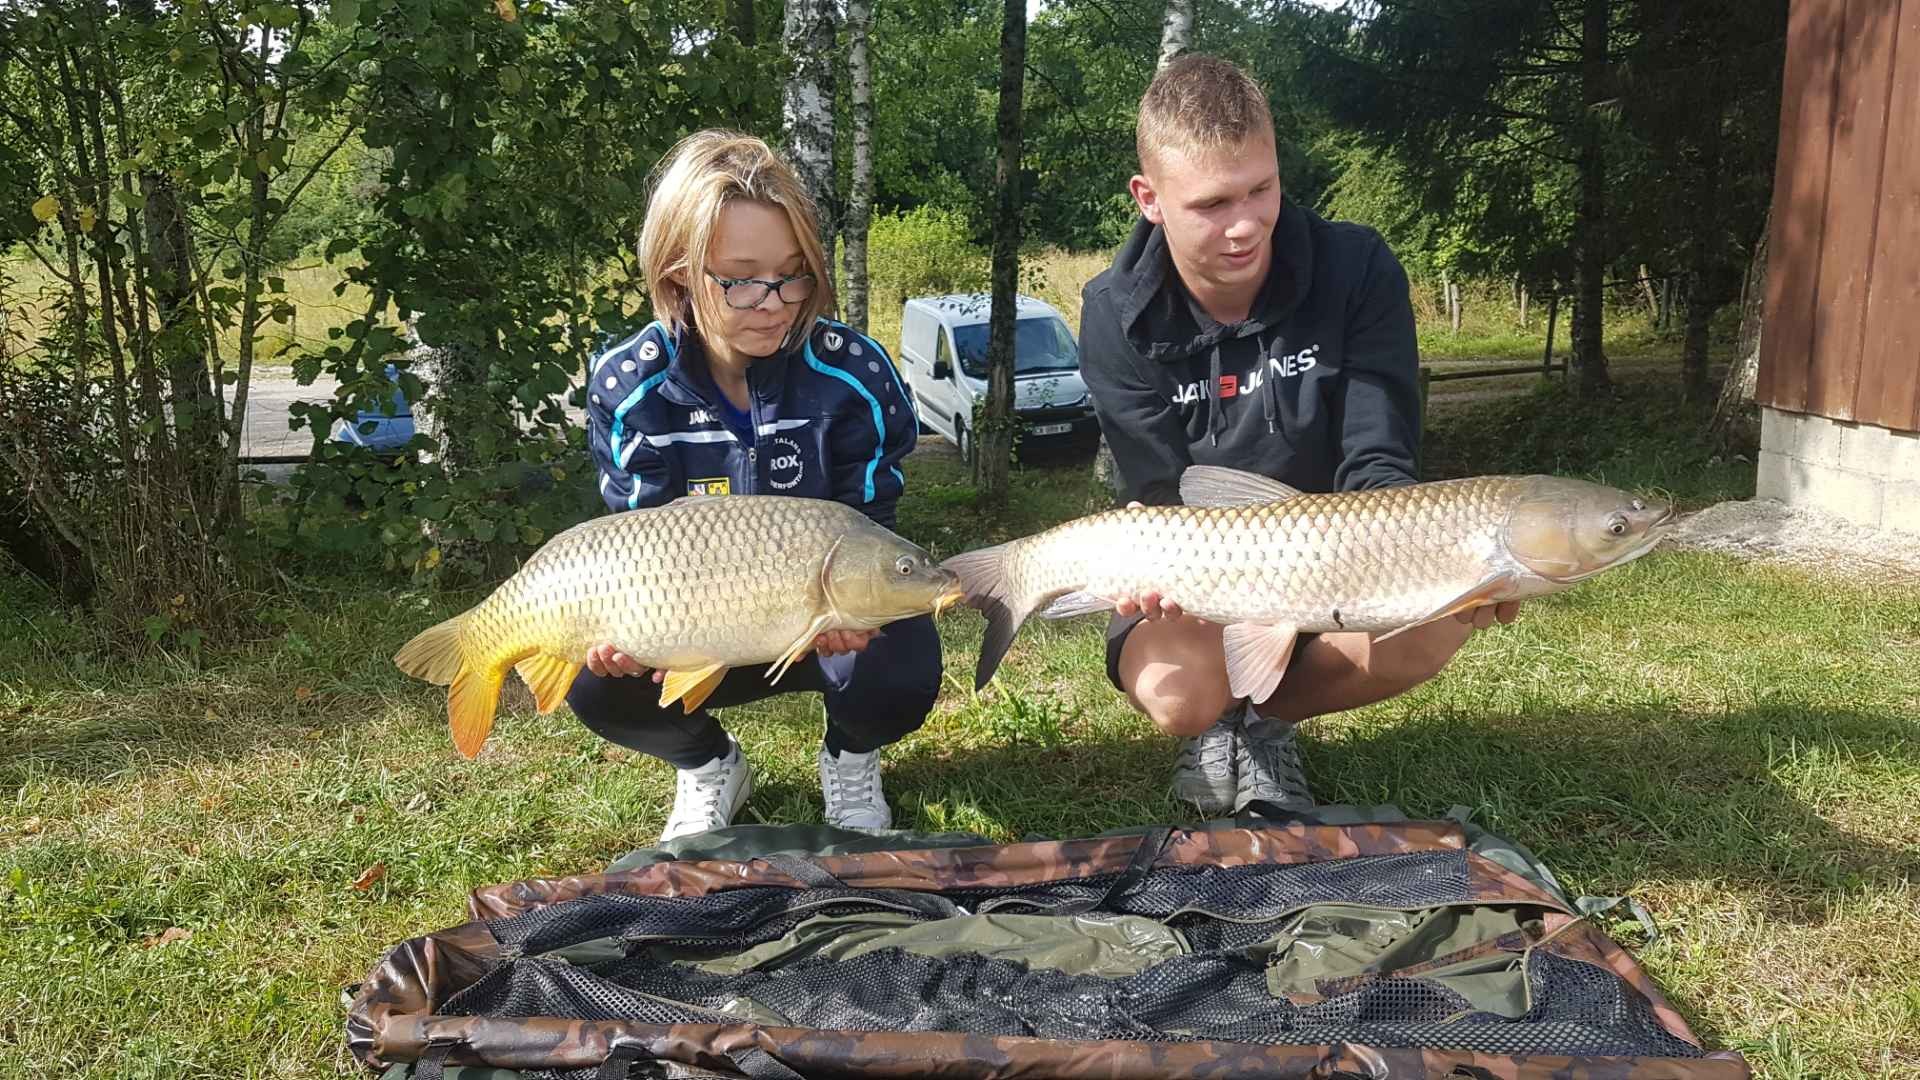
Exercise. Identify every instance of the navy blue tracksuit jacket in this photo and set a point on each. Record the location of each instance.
(830, 419)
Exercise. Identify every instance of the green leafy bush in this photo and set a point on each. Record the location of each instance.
(924, 250)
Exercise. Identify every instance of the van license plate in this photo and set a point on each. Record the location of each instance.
(1051, 429)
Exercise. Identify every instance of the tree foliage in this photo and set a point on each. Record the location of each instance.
(518, 146)
(478, 174)
(1568, 143)
(155, 155)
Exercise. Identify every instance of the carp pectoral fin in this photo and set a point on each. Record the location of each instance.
(1075, 603)
(549, 677)
(1217, 485)
(1488, 591)
(691, 686)
(1257, 655)
(800, 647)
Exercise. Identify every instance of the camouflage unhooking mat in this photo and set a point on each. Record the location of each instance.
(1357, 944)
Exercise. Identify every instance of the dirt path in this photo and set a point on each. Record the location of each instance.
(1766, 531)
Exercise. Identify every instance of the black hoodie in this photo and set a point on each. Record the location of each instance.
(1318, 387)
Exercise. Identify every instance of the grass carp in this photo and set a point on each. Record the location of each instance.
(1268, 562)
(692, 588)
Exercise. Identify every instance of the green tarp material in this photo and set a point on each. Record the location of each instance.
(1319, 951)
(742, 842)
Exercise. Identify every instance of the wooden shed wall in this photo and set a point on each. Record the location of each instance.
(1842, 329)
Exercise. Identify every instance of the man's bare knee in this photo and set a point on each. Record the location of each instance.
(1418, 655)
(1178, 703)
(1176, 674)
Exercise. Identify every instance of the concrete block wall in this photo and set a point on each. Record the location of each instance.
(1864, 473)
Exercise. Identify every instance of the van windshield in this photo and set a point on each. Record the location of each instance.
(1040, 344)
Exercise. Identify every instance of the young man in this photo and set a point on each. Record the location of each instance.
(1237, 328)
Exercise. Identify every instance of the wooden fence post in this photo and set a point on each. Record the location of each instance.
(1553, 315)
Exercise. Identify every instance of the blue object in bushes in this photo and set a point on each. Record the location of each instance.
(389, 434)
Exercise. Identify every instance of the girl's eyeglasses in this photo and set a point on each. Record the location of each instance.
(743, 293)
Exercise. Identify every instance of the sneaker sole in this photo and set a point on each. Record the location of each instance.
(1206, 803)
(1259, 806)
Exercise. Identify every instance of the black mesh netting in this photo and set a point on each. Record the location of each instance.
(734, 917)
(1216, 992)
(1217, 907)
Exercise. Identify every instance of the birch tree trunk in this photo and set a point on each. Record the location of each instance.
(994, 434)
(1176, 31)
(1176, 37)
(444, 415)
(808, 107)
(860, 194)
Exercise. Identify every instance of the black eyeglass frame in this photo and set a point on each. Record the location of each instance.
(776, 287)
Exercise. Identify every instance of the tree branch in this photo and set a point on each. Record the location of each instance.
(1071, 107)
(286, 204)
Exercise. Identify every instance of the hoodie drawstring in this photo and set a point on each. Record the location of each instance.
(1271, 399)
(1215, 419)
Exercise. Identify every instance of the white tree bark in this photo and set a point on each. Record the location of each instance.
(447, 377)
(860, 195)
(808, 113)
(1176, 37)
(1176, 31)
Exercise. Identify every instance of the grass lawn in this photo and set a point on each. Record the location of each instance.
(34, 294)
(193, 862)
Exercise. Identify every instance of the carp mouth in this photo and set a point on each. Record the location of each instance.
(945, 600)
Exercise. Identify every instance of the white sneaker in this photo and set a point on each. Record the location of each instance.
(850, 785)
(708, 797)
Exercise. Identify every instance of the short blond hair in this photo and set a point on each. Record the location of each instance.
(1199, 105)
(695, 181)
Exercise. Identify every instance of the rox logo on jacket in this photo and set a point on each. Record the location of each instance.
(1283, 366)
(785, 470)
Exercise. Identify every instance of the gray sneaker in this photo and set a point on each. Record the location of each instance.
(1203, 773)
(1266, 761)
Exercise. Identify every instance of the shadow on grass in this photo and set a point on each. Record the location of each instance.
(124, 729)
(1611, 802)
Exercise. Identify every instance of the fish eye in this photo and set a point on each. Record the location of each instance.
(1617, 525)
(905, 566)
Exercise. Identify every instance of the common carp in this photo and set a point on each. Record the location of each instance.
(1269, 562)
(692, 588)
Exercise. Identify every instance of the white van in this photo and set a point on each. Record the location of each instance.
(943, 350)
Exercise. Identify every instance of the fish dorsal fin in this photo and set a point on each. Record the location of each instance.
(1215, 485)
(690, 500)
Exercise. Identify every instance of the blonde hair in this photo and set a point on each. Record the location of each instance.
(1199, 105)
(695, 181)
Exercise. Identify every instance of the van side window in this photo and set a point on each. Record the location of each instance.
(941, 351)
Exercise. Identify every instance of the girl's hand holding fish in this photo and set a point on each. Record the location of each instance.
(610, 663)
(835, 642)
